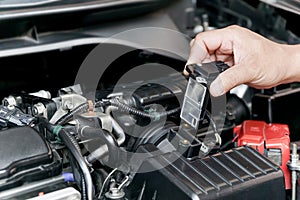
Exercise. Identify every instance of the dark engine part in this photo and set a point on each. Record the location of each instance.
(33, 159)
(25, 157)
(165, 91)
(279, 106)
(208, 71)
(229, 175)
(255, 15)
(237, 110)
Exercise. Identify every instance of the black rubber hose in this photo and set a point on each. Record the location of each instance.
(68, 141)
(67, 117)
(45, 123)
(72, 145)
(109, 140)
(134, 111)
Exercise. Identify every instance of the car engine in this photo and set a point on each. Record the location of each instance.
(100, 108)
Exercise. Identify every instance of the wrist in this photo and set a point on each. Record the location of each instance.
(291, 60)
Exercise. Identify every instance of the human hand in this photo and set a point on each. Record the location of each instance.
(254, 60)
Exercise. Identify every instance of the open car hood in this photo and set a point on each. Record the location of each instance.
(26, 8)
(39, 26)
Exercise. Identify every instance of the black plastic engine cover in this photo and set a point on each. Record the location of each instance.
(25, 156)
(241, 173)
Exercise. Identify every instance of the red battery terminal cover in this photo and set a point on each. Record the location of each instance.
(271, 140)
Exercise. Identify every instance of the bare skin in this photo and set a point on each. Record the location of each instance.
(253, 59)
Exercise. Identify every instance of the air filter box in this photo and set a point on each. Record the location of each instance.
(240, 173)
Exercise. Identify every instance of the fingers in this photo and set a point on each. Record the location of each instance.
(219, 45)
(230, 78)
(192, 42)
(185, 72)
(207, 43)
(199, 53)
(206, 60)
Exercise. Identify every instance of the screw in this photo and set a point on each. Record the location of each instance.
(184, 142)
(183, 146)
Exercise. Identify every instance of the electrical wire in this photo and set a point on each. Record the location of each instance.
(214, 126)
(101, 104)
(67, 117)
(83, 187)
(106, 179)
(212, 122)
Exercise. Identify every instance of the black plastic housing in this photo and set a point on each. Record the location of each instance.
(240, 173)
(208, 71)
(164, 91)
(25, 157)
(280, 106)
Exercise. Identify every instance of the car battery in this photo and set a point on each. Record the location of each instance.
(271, 140)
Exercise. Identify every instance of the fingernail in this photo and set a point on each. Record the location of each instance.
(217, 87)
(185, 72)
(192, 42)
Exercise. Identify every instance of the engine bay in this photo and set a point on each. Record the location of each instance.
(102, 110)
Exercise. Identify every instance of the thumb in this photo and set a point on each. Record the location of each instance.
(228, 79)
